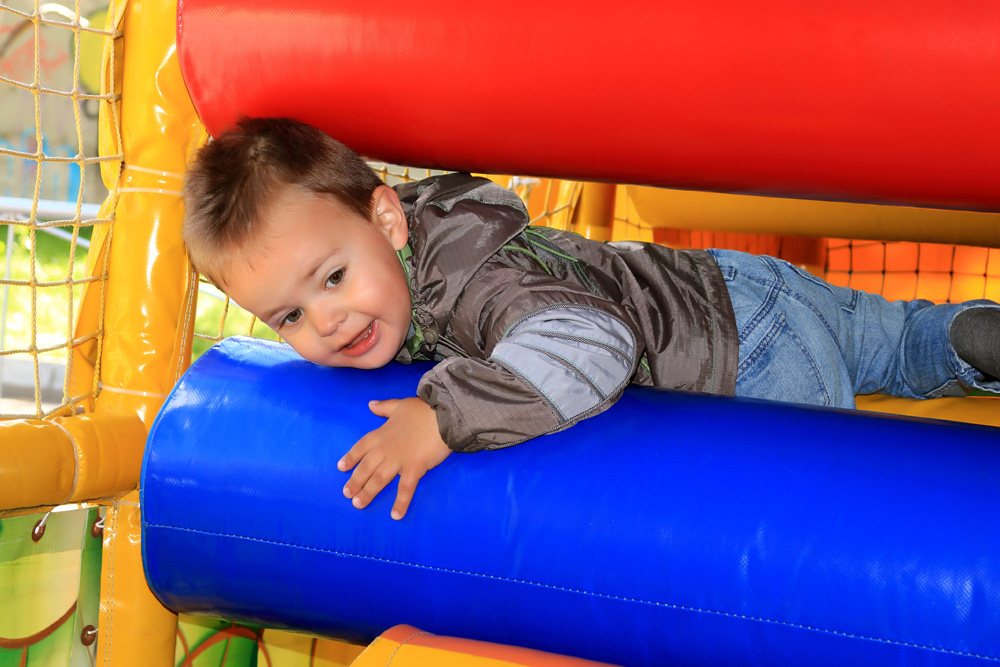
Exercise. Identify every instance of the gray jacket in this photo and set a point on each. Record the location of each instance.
(538, 328)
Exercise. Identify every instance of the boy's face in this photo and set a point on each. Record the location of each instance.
(327, 280)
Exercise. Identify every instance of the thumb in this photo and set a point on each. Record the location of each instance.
(383, 408)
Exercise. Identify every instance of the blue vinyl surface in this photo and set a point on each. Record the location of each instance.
(673, 528)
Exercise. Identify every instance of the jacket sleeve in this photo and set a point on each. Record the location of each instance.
(547, 354)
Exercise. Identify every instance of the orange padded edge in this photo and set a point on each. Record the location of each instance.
(406, 646)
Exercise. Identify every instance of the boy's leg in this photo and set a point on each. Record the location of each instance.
(900, 348)
(787, 349)
(905, 348)
(975, 335)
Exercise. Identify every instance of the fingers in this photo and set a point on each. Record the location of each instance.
(368, 442)
(370, 476)
(357, 452)
(378, 479)
(404, 494)
(407, 445)
(384, 408)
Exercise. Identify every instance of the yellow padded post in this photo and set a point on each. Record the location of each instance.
(595, 214)
(69, 459)
(280, 648)
(147, 305)
(133, 627)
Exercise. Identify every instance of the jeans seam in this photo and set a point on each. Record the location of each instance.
(769, 336)
(765, 309)
(780, 285)
(938, 391)
(784, 286)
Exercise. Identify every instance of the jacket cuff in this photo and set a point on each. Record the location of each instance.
(453, 429)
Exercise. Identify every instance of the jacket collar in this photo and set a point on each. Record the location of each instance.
(456, 223)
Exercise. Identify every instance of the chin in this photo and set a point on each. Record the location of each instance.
(365, 363)
(372, 364)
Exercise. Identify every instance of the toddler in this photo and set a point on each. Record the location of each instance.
(534, 328)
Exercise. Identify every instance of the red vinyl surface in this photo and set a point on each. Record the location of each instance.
(895, 101)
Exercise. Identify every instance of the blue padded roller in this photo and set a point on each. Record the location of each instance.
(672, 529)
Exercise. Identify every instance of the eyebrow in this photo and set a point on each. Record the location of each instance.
(270, 315)
(317, 265)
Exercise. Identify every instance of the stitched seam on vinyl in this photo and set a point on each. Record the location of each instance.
(406, 641)
(566, 589)
(76, 459)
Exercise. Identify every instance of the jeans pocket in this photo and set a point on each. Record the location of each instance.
(777, 365)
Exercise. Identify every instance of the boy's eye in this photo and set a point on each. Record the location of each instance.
(293, 316)
(334, 278)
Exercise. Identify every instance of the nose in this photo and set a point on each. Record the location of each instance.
(327, 320)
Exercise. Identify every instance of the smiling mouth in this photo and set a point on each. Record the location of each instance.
(362, 336)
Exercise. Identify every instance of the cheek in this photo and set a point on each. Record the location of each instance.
(306, 347)
(400, 302)
(391, 295)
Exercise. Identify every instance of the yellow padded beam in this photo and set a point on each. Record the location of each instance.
(983, 410)
(710, 211)
(69, 459)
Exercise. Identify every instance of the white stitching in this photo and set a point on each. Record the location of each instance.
(76, 459)
(109, 601)
(403, 643)
(727, 614)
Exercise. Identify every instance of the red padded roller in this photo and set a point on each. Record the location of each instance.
(891, 101)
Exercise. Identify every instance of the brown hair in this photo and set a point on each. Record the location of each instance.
(234, 177)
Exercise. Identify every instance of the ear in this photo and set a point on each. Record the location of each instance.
(389, 216)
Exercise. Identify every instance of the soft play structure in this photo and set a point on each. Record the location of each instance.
(672, 529)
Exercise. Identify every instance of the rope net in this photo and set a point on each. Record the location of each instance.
(49, 171)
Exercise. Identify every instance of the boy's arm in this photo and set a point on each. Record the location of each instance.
(555, 354)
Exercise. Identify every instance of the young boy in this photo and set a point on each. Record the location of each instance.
(534, 328)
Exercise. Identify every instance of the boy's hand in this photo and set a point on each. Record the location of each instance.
(408, 445)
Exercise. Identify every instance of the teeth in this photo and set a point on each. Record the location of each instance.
(366, 334)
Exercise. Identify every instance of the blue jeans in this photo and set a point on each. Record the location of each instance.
(805, 341)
